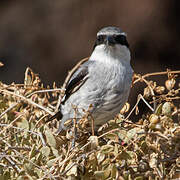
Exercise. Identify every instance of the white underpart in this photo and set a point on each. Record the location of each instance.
(106, 54)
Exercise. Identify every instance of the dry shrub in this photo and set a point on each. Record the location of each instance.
(148, 149)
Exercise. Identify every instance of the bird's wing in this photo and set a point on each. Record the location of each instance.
(77, 80)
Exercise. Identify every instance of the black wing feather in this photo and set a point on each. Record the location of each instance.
(76, 81)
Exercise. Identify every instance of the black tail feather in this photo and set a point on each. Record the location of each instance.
(57, 116)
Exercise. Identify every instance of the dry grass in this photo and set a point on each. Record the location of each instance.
(148, 149)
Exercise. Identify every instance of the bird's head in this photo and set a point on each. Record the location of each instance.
(112, 40)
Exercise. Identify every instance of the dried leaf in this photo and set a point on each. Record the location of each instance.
(24, 124)
(93, 142)
(166, 108)
(107, 148)
(45, 151)
(50, 138)
(73, 170)
(33, 151)
(51, 162)
(158, 109)
(153, 160)
(55, 151)
(100, 157)
(99, 174)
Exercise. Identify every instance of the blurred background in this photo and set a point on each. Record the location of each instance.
(52, 36)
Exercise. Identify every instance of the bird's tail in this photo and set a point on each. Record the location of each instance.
(57, 116)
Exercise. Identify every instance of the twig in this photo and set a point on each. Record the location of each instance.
(8, 109)
(44, 91)
(140, 97)
(172, 98)
(111, 131)
(27, 100)
(153, 133)
(13, 164)
(92, 120)
(12, 122)
(22, 129)
(154, 74)
(67, 154)
(62, 164)
(49, 174)
(40, 91)
(88, 113)
(40, 120)
(22, 148)
(75, 127)
(21, 156)
(69, 168)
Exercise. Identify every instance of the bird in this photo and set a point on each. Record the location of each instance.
(104, 81)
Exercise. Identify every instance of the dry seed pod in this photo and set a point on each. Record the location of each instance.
(154, 119)
(152, 126)
(178, 162)
(158, 126)
(170, 83)
(166, 108)
(147, 93)
(125, 108)
(152, 84)
(176, 91)
(158, 109)
(143, 166)
(69, 134)
(160, 89)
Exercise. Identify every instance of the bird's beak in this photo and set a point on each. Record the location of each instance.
(110, 41)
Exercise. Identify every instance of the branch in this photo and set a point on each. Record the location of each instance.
(27, 100)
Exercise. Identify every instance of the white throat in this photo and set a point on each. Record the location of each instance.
(109, 53)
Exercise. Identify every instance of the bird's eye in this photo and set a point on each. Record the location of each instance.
(121, 39)
(100, 39)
